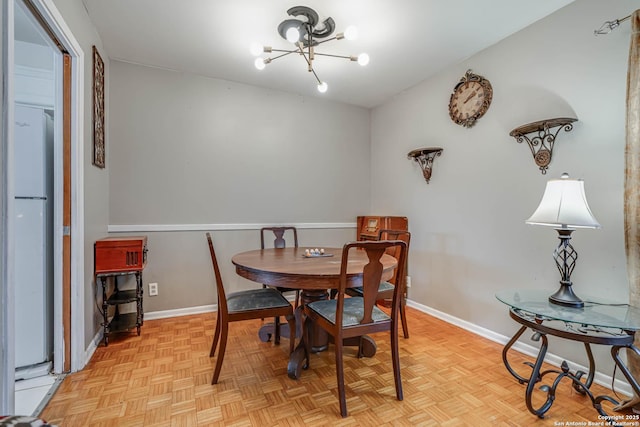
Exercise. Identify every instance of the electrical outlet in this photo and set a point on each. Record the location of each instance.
(408, 281)
(153, 289)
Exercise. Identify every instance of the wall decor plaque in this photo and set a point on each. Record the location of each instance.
(98, 110)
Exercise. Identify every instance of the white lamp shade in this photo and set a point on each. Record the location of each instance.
(564, 205)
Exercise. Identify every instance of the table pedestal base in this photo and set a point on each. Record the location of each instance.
(267, 331)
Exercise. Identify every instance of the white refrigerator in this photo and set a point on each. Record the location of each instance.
(33, 150)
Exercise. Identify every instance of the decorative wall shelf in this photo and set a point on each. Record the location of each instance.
(424, 157)
(540, 137)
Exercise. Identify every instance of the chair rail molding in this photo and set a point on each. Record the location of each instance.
(135, 228)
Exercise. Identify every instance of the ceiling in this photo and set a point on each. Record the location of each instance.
(407, 40)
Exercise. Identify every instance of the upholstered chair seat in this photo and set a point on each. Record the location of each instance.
(352, 314)
(384, 287)
(255, 299)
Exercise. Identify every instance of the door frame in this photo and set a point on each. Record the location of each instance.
(57, 25)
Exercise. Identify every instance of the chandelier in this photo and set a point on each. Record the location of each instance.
(306, 33)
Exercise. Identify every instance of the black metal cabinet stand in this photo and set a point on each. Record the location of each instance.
(121, 321)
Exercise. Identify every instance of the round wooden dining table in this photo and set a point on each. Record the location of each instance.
(314, 276)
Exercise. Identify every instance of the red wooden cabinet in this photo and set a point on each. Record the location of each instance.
(119, 254)
(368, 227)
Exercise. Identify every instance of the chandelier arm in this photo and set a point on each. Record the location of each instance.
(284, 54)
(309, 64)
(324, 41)
(316, 76)
(304, 55)
(334, 56)
(283, 50)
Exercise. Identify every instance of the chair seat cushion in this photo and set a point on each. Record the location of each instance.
(255, 299)
(384, 286)
(352, 314)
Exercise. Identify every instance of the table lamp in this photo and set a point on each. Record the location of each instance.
(564, 206)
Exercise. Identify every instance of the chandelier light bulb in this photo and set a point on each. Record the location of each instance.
(293, 35)
(351, 33)
(255, 49)
(322, 87)
(363, 59)
(259, 63)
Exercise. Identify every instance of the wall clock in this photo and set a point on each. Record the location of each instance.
(470, 99)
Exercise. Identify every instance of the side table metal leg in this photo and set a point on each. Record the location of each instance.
(578, 385)
(506, 349)
(615, 353)
(535, 377)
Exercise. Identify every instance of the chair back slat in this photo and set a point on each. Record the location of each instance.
(371, 276)
(405, 236)
(279, 232)
(222, 298)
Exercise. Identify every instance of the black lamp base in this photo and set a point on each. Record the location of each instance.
(565, 257)
(565, 296)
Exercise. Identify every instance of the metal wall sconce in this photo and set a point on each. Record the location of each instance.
(424, 157)
(540, 137)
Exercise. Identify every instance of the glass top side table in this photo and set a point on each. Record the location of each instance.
(599, 322)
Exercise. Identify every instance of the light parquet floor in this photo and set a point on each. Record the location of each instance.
(451, 377)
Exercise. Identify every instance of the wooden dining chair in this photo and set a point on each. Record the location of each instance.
(280, 242)
(244, 305)
(386, 289)
(357, 316)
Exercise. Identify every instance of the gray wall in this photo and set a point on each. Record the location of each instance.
(469, 239)
(187, 150)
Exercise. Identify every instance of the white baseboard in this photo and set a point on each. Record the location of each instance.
(621, 386)
(180, 312)
(93, 345)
